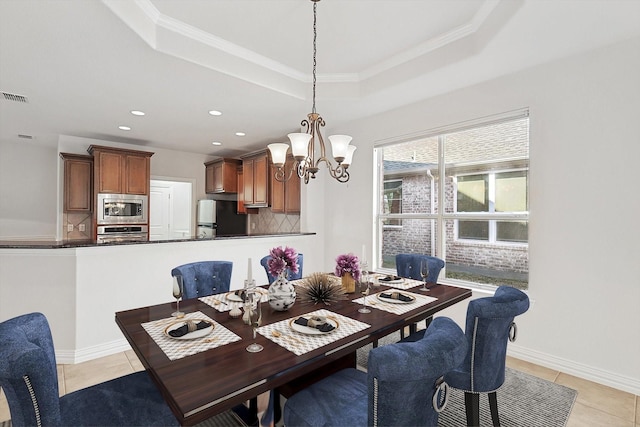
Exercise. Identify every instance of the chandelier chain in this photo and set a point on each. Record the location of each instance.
(315, 35)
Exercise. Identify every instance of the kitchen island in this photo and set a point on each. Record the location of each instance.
(80, 285)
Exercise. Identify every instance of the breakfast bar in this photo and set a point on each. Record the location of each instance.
(79, 285)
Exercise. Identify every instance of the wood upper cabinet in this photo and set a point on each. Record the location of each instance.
(221, 176)
(241, 208)
(78, 182)
(285, 196)
(256, 180)
(121, 171)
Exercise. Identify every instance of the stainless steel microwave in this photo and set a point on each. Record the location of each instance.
(122, 209)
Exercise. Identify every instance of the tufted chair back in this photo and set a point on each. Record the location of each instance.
(489, 326)
(290, 276)
(408, 265)
(29, 378)
(402, 385)
(203, 278)
(402, 376)
(28, 373)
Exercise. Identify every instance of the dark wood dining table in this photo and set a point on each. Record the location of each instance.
(199, 386)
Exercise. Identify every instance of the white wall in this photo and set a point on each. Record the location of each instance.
(28, 191)
(584, 270)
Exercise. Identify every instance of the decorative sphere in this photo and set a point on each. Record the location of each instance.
(282, 294)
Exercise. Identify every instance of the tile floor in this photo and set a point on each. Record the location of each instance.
(596, 405)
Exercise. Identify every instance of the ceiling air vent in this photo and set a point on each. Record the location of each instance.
(22, 136)
(13, 97)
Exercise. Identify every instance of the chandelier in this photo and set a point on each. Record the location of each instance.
(303, 145)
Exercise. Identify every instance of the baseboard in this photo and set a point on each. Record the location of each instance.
(70, 357)
(600, 376)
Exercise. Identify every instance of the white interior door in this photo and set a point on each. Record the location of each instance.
(160, 212)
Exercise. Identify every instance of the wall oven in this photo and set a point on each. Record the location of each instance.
(125, 233)
(122, 209)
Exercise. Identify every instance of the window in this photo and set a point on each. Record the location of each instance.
(459, 193)
(493, 192)
(392, 201)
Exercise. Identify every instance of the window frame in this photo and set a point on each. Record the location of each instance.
(441, 216)
(492, 223)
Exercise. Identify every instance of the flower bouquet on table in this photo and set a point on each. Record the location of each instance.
(348, 267)
(282, 261)
(282, 294)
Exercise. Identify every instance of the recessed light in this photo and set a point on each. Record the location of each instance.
(215, 113)
(137, 113)
(216, 143)
(240, 134)
(124, 128)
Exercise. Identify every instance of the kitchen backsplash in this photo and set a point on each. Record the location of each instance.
(81, 223)
(266, 222)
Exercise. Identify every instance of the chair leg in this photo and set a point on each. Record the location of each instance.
(493, 405)
(277, 410)
(472, 408)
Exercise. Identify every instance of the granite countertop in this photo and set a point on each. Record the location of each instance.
(62, 244)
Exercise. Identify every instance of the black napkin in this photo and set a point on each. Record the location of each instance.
(396, 295)
(184, 329)
(390, 278)
(318, 322)
(241, 293)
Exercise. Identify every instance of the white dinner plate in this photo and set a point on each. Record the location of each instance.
(191, 335)
(313, 331)
(395, 301)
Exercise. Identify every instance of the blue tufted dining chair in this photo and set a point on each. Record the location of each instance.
(489, 326)
(265, 259)
(203, 278)
(408, 265)
(400, 379)
(29, 378)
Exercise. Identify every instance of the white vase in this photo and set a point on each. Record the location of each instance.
(282, 294)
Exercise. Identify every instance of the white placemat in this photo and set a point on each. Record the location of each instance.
(396, 308)
(300, 343)
(405, 284)
(177, 349)
(221, 303)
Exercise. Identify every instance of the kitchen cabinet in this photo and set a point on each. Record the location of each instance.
(221, 176)
(256, 180)
(285, 196)
(121, 171)
(78, 182)
(241, 208)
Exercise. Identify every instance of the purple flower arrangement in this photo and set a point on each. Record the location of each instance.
(348, 263)
(281, 260)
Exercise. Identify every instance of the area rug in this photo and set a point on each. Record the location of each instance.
(523, 401)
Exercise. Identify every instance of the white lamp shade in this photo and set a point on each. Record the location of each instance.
(278, 153)
(299, 144)
(349, 157)
(339, 144)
